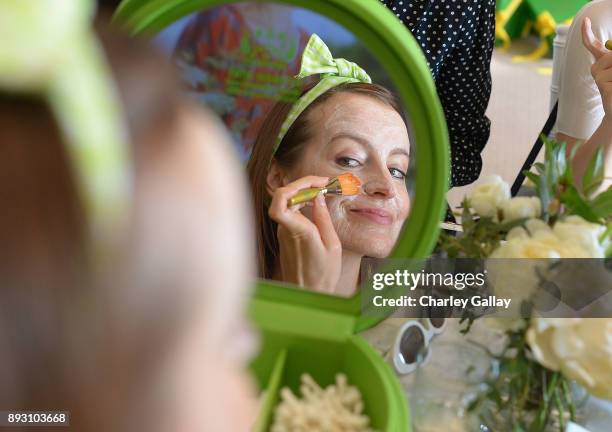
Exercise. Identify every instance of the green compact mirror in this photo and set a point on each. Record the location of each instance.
(240, 59)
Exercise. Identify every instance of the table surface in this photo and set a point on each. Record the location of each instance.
(598, 413)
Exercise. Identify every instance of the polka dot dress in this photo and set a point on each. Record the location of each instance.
(457, 38)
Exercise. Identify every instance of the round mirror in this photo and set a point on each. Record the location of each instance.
(241, 58)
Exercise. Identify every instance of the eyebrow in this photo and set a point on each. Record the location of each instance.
(364, 141)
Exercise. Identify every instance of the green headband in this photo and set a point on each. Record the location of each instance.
(49, 49)
(317, 59)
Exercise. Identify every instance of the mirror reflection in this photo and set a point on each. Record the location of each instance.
(321, 130)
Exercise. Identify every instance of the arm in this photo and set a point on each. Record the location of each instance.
(464, 88)
(586, 103)
(601, 137)
(310, 252)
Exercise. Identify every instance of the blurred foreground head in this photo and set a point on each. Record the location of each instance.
(152, 336)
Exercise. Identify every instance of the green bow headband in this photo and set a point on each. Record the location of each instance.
(49, 49)
(317, 59)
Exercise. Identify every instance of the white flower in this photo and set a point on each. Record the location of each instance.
(585, 235)
(528, 247)
(521, 207)
(488, 194)
(571, 238)
(580, 348)
(536, 241)
(537, 225)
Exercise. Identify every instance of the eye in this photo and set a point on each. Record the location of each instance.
(348, 162)
(397, 173)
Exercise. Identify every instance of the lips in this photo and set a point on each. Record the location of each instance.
(376, 215)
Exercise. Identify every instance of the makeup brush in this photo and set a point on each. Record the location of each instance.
(344, 184)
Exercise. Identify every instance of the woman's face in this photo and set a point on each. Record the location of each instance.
(359, 134)
(191, 228)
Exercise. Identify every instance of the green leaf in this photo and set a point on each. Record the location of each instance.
(507, 226)
(574, 150)
(606, 233)
(545, 196)
(532, 176)
(594, 174)
(560, 161)
(602, 204)
(539, 167)
(550, 174)
(574, 202)
(467, 220)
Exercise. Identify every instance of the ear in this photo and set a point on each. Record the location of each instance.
(276, 178)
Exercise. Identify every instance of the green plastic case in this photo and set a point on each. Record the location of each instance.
(307, 332)
(299, 337)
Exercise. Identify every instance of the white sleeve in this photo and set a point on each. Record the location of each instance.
(580, 108)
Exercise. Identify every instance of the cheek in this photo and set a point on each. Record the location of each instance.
(314, 163)
(338, 215)
(403, 204)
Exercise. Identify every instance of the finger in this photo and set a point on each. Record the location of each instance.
(294, 221)
(604, 62)
(296, 224)
(604, 77)
(291, 218)
(595, 46)
(323, 221)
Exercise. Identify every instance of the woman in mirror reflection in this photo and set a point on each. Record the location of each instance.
(342, 123)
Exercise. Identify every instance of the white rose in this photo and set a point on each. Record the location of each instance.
(577, 233)
(580, 348)
(488, 194)
(521, 207)
(572, 238)
(527, 247)
(537, 225)
(548, 239)
(518, 279)
(537, 241)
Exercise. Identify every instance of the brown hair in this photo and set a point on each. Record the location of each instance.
(287, 155)
(45, 308)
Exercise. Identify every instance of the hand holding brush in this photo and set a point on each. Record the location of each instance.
(310, 250)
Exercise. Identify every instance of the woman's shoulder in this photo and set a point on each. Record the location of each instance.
(600, 13)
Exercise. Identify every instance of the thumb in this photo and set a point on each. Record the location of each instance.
(594, 45)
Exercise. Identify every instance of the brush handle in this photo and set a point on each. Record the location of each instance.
(304, 195)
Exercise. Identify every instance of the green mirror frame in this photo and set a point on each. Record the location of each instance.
(401, 56)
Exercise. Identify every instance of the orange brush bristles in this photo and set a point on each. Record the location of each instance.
(349, 183)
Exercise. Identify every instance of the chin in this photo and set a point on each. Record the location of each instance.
(367, 239)
(374, 248)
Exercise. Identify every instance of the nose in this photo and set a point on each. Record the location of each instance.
(379, 184)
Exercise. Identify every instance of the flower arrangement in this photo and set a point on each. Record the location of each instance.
(542, 356)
